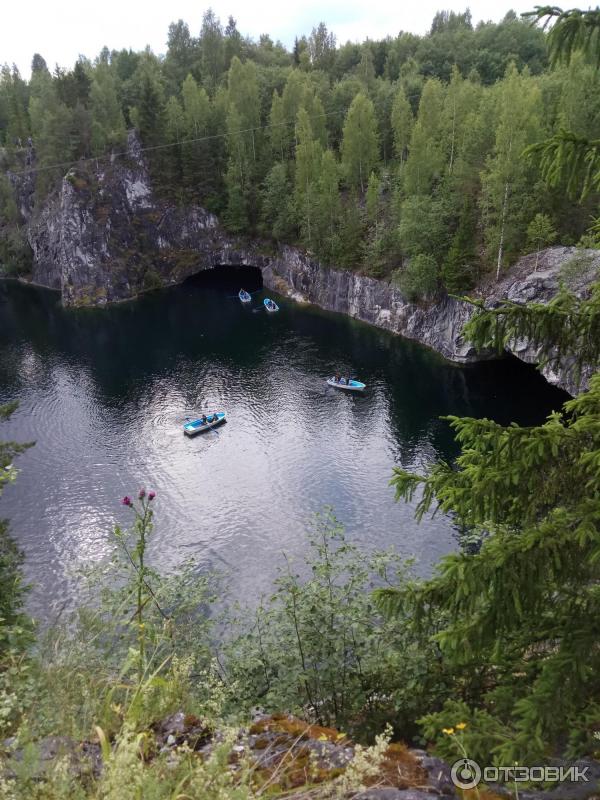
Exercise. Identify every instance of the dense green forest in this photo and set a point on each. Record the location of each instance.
(494, 656)
(400, 157)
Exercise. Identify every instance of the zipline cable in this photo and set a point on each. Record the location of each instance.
(165, 146)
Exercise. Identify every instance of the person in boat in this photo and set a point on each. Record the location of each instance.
(215, 417)
(204, 419)
(336, 378)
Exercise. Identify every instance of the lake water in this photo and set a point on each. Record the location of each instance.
(104, 394)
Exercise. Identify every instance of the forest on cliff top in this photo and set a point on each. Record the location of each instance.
(402, 157)
(495, 656)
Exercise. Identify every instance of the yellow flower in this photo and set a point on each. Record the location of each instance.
(448, 731)
(460, 726)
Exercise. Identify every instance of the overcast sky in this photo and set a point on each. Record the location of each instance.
(62, 29)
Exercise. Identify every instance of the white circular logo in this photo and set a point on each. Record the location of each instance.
(465, 773)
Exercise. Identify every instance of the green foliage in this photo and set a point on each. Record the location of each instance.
(523, 608)
(108, 125)
(329, 210)
(568, 327)
(360, 150)
(15, 254)
(571, 160)
(571, 31)
(568, 157)
(278, 217)
(308, 162)
(319, 645)
(460, 267)
(518, 617)
(445, 116)
(508, 188)
(402, 123)
(478, 728)
(426, 157)
(540, 232)
(591, 238)
(422, 226)
(15, 627)
(418, 280)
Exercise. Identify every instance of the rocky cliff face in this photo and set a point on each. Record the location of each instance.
(439, 325)
(104, 236)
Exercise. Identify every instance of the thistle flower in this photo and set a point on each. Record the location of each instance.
(126, 501)
(142, 494)
(151, 495)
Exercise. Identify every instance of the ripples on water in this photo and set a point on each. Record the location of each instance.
(104, 394)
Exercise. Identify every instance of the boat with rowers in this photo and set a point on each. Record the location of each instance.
(347, 384)
(204, 423)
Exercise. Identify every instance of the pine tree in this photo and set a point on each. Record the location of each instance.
(423, 226)
(212, 51)
(426, 154)
(540, 233)
(292, 97)
(328, 207)
(402, 124)
(244, 140)
(508, 185)
(238, 173)
(418, 280)
(316, 113)
(233, 41)
(182, 54)
(308, 162)
(459, 270)
(373, 199)
(516, 623)
(360, 147)
(365, 71)
(321, 47)
(277, 211)
(175, 131)
(196, 107)
(195, 151)
(567, 158)
(151, 122)
(278, 130)
(108, 123)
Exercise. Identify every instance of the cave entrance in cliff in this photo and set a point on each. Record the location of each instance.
(228, 277)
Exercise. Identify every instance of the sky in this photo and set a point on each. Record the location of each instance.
(63, 29)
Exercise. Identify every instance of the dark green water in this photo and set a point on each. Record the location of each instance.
(104, 393)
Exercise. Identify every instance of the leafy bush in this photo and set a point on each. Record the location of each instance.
(418, 280)
(152, 280)
(320, 647)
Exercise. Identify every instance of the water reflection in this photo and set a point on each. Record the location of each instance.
(104, 394)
